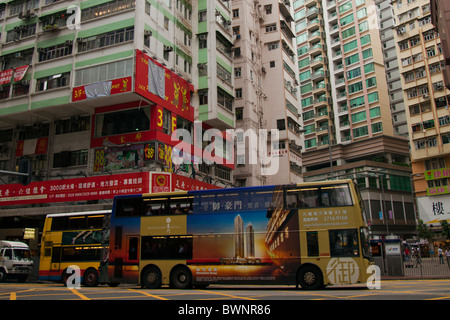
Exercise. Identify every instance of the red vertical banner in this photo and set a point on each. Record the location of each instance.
(173, 93)
(19, 150)
(41, 146)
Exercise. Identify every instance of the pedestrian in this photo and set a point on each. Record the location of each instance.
(447, 254)
(418, 260)
(406, 254)
(441, 255)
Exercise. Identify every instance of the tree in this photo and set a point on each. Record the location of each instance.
(445, 229)
(424, 231)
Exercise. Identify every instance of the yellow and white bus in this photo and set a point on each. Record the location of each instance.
(308, 234)
(74, 239)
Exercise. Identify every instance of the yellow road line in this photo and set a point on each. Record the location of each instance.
(227, 295)
(148, 294)
(82, 296)
(12, 296)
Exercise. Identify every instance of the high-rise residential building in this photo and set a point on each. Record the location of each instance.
(421, 61)
(349, 108)
(266, 92)
(91, 91)
(440, 18)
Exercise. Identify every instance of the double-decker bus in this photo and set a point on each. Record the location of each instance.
(74, 239)
(309, 234)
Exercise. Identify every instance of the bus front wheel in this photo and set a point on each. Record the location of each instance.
(151, 278)
(181, 278)
(310, 278)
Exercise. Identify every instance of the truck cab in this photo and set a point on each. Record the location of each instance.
(15, 260)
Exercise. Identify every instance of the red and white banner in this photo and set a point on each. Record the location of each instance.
(5, 76)
(97, 187)
(78, 189)
(101, 89)
(19, 73)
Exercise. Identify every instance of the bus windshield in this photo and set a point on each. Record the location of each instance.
(365, 243)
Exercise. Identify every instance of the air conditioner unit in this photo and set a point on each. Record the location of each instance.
(148, 33)
(168, 49)
(425, 96)
(18, 54)
(68, 43)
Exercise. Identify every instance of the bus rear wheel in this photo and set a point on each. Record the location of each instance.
(180, 278)
(310, 278)
(151, 278)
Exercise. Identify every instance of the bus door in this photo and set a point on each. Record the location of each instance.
(132, 259)
(55, 264)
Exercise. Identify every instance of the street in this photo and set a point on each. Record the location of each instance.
(436, 289)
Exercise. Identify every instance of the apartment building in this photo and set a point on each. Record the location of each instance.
(421, 61)
(91, 91)
(344, 55)
(441, 20)
(266, 92)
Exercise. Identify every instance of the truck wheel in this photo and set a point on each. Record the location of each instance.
(3, 275)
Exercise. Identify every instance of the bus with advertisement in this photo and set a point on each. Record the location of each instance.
(78, 239)
(309, 234)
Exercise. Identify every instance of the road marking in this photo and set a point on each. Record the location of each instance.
(82, 296)
(148, 294)
(12, 296)
(227, 295)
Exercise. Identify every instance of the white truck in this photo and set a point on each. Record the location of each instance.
(15, 260)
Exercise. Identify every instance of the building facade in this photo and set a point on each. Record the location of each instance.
(91, 92)
(421, 61)
(266, 91)
(351, 130)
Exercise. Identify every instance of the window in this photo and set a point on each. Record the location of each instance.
(360, 132)
(346, 20)
(312, 241)
(70, 158)
(377, 127)
(202, 16)
(351, 59)
(350, 46)
(271, 28)
(345, 7)
(110, 7)
(344, 243)
(319, 196)
(74, 124)
(108, 71)
(52, 82)
(106, 39)
(54, 52)
(310, 143)
(124, 121)
(166, 247)
(359, 116)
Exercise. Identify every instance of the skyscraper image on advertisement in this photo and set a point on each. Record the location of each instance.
(249, 241)
(238, 237)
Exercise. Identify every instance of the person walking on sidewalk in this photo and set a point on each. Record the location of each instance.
(418, 259)
(447, 255)
(441, 255)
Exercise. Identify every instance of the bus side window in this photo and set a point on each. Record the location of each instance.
(155, 207)
(181, 205)
(312, 240)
